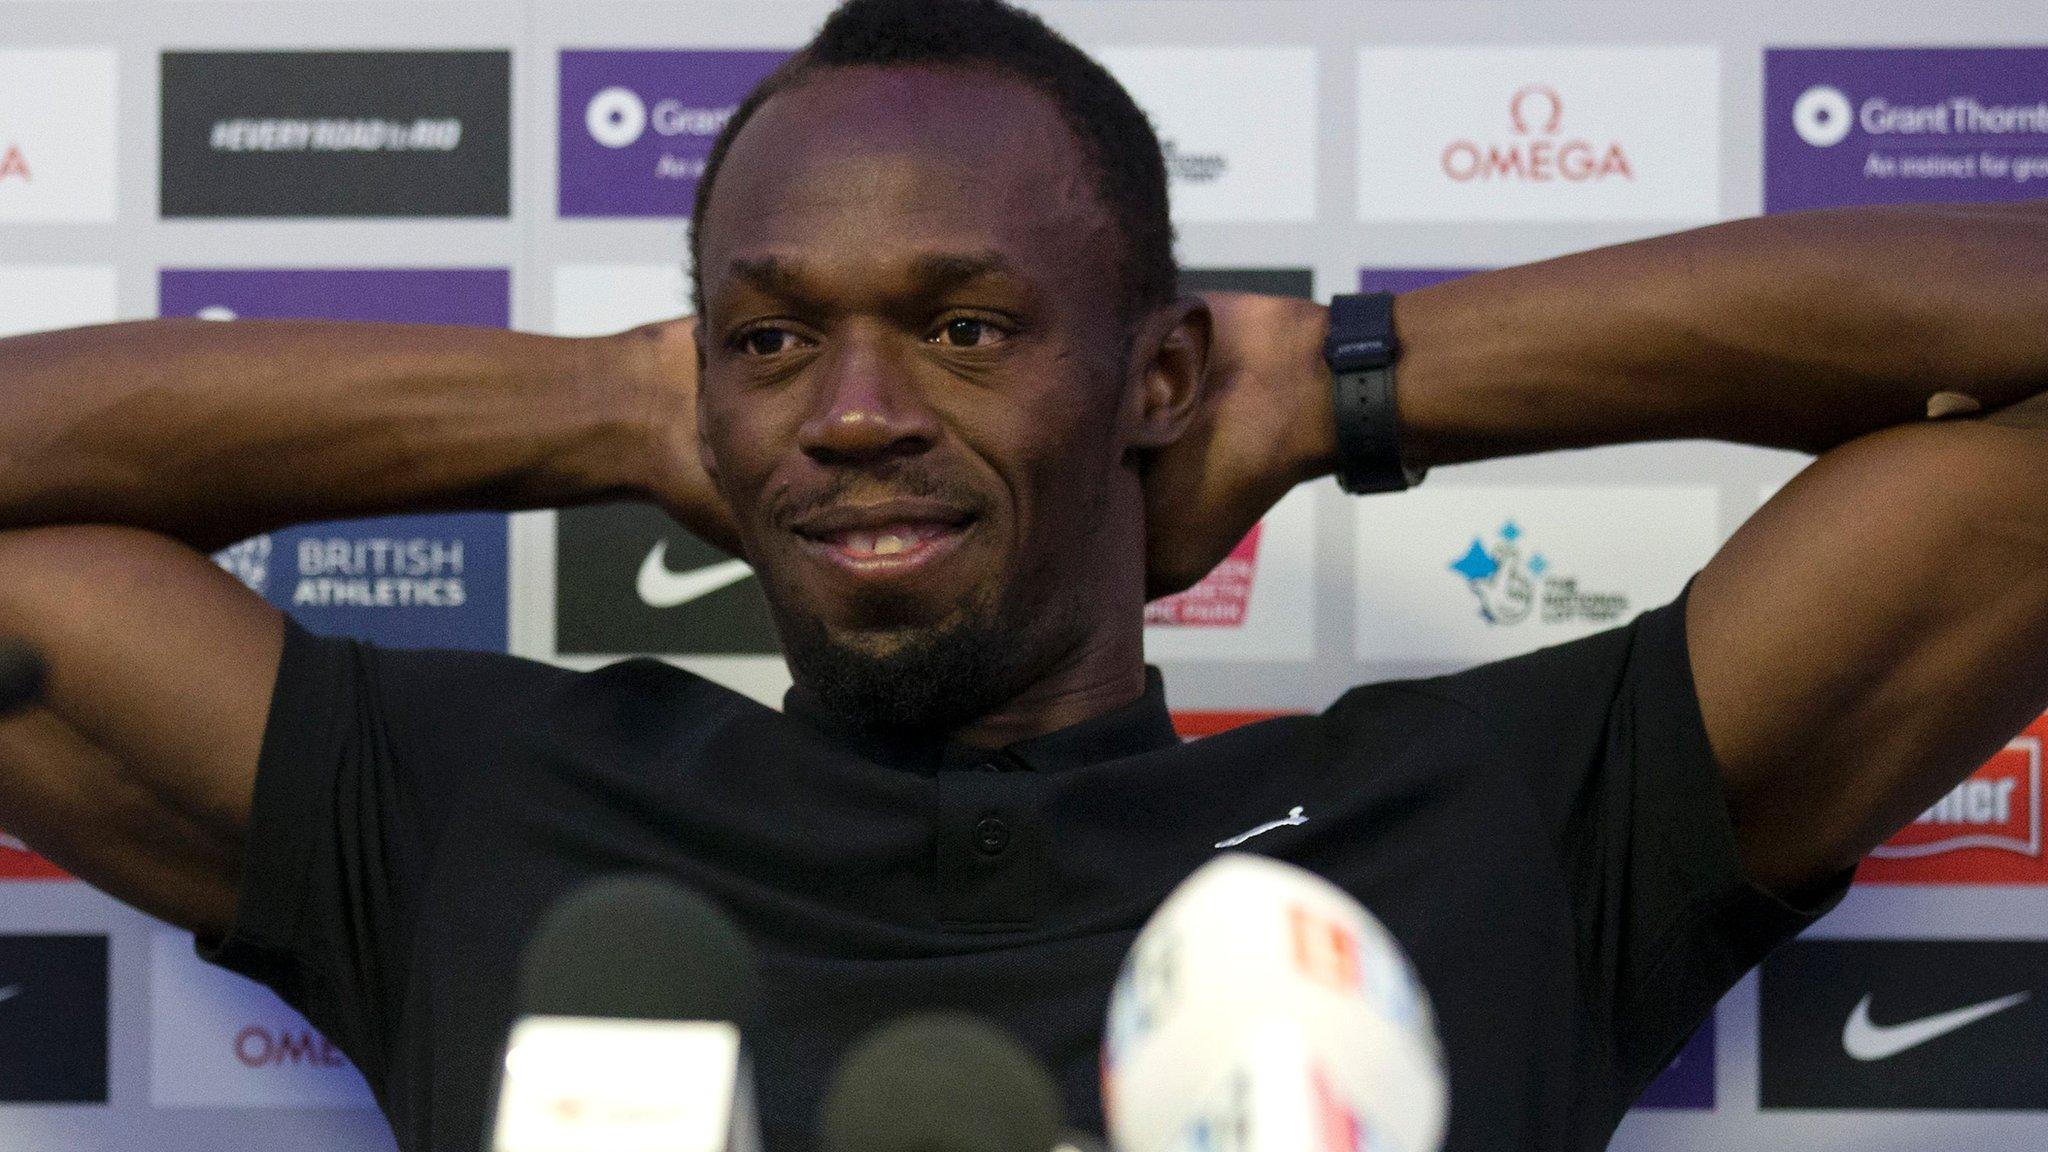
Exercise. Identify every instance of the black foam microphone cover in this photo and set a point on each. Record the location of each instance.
(940, 1082)
(21, 675)
(637, 947)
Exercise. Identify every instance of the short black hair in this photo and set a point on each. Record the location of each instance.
(1116, 138)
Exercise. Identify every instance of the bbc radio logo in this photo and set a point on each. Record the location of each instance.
(1237, 126)
(1549, 133)
(1904, 125)
(637, 127)
(59, 135)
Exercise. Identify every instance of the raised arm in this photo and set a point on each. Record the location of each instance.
(211, 432)
(128, 450)
(1874, 633)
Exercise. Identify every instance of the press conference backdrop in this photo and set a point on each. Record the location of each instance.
(532, 163)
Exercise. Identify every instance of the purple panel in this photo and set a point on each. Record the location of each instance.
(1399, 280)
(636, 127)
(1904, 125)
(475, 296)
(1689, 1081)
(435, 580)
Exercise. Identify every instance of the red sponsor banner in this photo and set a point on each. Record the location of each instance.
(1218, 600)
(18, 863)
(1194, 725)
(1987, 830)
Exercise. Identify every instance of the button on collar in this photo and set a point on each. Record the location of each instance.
(991, 835)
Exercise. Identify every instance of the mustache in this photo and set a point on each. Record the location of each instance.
(872, 485)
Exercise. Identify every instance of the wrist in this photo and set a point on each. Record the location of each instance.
(618, 384)
(1312, 445)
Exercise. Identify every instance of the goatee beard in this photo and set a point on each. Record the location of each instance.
(929, 682)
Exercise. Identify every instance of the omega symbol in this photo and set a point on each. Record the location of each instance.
(1545, 98)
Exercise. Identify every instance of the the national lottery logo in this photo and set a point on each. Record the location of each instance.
(1536, 148)
(1514, 583)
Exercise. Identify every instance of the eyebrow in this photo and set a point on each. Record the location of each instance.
(932, 274)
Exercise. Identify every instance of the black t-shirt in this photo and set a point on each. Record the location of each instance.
(1546, 836)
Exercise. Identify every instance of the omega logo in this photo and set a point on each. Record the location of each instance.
(1551, 102)
(1539, 155)
(259, 1047)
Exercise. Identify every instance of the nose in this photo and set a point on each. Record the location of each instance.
(868, 407)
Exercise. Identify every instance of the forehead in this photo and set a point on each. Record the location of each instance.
(858, 171)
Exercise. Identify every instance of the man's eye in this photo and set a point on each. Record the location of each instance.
(967, 332)
(767, 341)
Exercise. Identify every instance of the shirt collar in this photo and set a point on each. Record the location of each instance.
(1143, 725)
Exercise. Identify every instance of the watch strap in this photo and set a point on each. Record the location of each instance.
(1361, 350)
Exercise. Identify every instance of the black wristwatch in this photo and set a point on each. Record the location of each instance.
(1361, 350)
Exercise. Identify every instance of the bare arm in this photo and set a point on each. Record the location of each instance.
(211, 432)
(1876, 631)
(128, 450)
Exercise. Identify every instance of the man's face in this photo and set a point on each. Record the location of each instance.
(915, 388)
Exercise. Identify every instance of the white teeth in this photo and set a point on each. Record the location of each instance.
(890, 544)
(861, 543)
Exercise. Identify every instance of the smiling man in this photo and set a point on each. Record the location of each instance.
(945, 401)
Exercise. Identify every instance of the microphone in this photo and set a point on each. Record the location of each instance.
(21, 675)
(1262, 1009)
(631, 991)
(940, 1082)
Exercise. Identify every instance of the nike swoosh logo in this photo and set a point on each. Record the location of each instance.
(660, 588)
(1292, 818)
(9, 992)
(1863, 1040)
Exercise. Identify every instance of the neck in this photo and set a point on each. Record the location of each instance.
(1104, 674)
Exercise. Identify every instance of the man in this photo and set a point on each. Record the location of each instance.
(952, 412)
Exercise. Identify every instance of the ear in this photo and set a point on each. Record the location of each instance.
(1169, 362)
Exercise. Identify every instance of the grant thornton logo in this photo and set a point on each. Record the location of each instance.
(1514, 583)
(1823, 116)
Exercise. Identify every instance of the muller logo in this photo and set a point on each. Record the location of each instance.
(1986, 830)
(1536, 148)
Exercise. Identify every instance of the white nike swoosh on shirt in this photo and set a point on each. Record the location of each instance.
(660, 588)
(1863, 1040)
(9, 992)
(1292, 818)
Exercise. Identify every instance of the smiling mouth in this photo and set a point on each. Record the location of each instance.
(884, 541)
